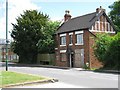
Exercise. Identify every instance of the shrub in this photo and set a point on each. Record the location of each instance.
(107, 50)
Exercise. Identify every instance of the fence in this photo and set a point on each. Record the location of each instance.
(46, 59)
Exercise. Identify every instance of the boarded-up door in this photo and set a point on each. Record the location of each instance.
(79, 58)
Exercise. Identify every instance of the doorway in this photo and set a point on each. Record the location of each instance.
(71, 61)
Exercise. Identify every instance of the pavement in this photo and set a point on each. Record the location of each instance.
(69, 78)
(51, 85)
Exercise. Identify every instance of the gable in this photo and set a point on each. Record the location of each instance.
(102, 24)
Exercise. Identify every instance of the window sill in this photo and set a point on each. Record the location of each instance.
(62, 61)
(79, 44)
(70, 44)
(62, 45)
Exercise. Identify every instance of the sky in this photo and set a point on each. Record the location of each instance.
(54, 8)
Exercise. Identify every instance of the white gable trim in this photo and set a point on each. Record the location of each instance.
(102, 31)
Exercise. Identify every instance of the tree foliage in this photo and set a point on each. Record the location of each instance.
(102, 43)
(26, 33)
(47, 45)
(112, 55)
(107, 50)
(115, 14)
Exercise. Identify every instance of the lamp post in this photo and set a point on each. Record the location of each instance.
(7, 35)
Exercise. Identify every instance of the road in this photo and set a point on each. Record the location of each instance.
(72, 77)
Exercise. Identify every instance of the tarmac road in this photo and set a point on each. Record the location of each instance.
(69, 78)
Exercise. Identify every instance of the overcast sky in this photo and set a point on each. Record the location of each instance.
(54, 8)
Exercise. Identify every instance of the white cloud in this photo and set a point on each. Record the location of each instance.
(16, 7)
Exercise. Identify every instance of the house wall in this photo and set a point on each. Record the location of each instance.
(58, 62)
(89, 42)
(94, 62)
(11, 55)
(76, 48)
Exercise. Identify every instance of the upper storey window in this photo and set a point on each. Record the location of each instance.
(79, 37)
(63, 39)
(70, 38)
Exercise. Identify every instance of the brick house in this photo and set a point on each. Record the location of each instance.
(75, 38)
(11, 54)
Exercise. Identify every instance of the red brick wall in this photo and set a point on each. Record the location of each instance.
(58, 62)
(89, 41)
(94, 62)
(86, 46)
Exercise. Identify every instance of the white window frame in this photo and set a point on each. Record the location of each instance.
(62, 35)
(77, 33)
(69, 38)
(62, 40)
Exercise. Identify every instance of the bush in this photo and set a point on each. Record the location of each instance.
(107, 50)
(112, 55)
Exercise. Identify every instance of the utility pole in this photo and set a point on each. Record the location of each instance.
(7, 35)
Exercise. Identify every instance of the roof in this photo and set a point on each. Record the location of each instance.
(81, 22)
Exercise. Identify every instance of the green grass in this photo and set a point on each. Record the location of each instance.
(14, 78)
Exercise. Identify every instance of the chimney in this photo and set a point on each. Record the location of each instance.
(67, 16)
(98, 10)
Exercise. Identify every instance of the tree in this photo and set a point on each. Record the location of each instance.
(26, 33)
(107, 50)
(47, 45)
(112, 55)
(115, 14)
(102, 43)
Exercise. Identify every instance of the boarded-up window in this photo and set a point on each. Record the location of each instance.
(79, 58)
(62, 56)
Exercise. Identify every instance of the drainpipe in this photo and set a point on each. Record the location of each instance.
(70, 61)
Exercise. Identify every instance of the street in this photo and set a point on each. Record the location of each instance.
(69, 78)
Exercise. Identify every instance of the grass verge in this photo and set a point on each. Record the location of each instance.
(9, 78)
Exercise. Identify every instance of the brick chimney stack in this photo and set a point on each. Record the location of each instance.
(98, 10)
(67, 16)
